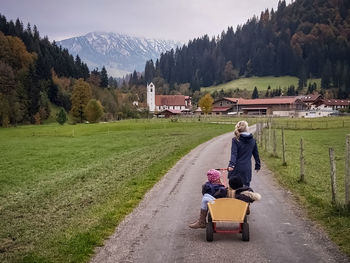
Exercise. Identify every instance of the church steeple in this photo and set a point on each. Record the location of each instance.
(151, 97)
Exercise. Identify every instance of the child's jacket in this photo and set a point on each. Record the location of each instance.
(215, 190)
(243, 197)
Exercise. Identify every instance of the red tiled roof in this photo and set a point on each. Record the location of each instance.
(335, 102)
(255, 108)
(268, 101)
(220, 109)
(230, 99)
(170, 100)
(309, 97)
(278, 100)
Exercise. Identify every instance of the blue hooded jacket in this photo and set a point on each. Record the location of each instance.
(242, 150)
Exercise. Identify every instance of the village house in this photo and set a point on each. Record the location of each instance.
(310, 99)
(331, 104)
(325, 107)
(175, 104)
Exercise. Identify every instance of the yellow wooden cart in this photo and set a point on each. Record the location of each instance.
(227, 210)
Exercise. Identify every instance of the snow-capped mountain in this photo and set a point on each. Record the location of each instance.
(119, 53)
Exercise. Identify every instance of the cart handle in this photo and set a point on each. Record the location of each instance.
(221, 169)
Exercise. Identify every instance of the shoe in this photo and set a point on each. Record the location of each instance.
(202, 220)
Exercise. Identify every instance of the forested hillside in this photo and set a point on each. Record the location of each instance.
(35, 73)
(307, 39)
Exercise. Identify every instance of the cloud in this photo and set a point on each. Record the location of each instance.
(178, 20)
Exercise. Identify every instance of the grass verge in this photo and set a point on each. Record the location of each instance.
(315, 192)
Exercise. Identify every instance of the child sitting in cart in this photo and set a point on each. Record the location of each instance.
(242, 192)
(211, 190)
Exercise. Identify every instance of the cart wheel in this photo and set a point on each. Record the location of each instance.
(245, 231)
(209, 232)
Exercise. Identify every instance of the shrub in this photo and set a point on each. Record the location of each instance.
(61, 116)
(93, 111)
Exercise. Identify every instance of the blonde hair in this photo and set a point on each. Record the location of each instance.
(241, 126)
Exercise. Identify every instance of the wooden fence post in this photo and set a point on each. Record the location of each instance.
(283, 149)
(333, 174)
(265, 141)
(302, 172)
(260, 133)
(269, 141)
(274, 143)
(347, 172)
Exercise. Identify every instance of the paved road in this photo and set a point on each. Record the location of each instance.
(157, 230)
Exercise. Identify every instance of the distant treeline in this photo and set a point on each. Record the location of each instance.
(49, 55)
(35, 72)
(307, 39)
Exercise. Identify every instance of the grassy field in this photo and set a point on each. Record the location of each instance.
(315, 193)
(65, 188)
(260, 82)
(311, 123)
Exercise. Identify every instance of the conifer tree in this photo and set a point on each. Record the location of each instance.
(7, 93)
(32, 85)
(61, 116)
(104, 78)
(255, 93)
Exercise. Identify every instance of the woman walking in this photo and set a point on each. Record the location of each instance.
(242, 149)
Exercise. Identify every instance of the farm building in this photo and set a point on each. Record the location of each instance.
(157, 103)
(281, 106)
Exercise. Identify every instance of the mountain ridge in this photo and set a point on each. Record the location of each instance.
(119, 53)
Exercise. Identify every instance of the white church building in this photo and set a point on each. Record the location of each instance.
(157, 103)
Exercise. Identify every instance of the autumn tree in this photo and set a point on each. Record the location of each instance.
(95, 78)
(14, 53)
(206, 103)
(80, 97)
(229, 73)
(93, 110)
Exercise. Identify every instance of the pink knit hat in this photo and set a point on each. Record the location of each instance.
(213, 175)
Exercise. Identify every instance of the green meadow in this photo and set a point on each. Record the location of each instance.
(261, 83)
(65, 188)
(315, 193)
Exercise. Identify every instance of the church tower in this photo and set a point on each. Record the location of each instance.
(151, 97)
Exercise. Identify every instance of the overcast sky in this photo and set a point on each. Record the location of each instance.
(180, 20)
